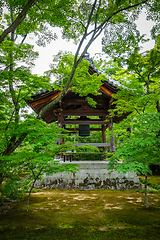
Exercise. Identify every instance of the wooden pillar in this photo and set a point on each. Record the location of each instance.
(104, 136)
(60, 125)
(112, 140)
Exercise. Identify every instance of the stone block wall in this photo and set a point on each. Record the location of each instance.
(91, 175)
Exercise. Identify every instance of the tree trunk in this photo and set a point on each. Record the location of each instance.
(35, 178)
(1, 178)
(30, 193)
(14, 141)
(13, 144)
(112, 140)
(146, 197)
(158, 106)
(18, 20)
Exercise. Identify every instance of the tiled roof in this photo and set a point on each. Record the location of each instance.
(87, 57)
(41, 91)
(111, 81)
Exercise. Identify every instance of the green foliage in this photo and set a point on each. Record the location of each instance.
(140, 83)
(86, 148)
(70, 147)
(40, 15)
(33, 159)
(64, 147)
(72, 16)
(22, 166)
(75, 18)
(120, 40)
(16, 85)
(139, 95)
(155, 186)
(14, 189)
(82, 83)
(141, 149)
(108, 67)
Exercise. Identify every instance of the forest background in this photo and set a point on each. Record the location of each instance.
(27, 144)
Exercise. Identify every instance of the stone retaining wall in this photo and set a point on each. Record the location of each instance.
(92, 175)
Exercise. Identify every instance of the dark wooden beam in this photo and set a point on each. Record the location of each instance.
(87, 112)
(75, 101)
(112, 140)
(84, 122)
(104, 136)
(93, 144)
(81, 101)
(77, 129)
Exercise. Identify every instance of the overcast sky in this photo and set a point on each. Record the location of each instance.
(46, 53)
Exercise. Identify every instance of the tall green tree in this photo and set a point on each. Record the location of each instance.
(79, 21)
(33, 16)
(17, 82)
(140, 96)
(27, 145)
(34, 158)
(94, 19)
(141, 81)
(141, 149)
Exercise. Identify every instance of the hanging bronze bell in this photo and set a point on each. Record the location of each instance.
(84, 130)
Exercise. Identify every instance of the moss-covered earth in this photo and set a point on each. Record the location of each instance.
(152, 179)
(77, 214)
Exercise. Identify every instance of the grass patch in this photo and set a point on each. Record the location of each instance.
(78, 214)
(152, 181)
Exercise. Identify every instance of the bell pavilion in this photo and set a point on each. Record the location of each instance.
(74, 105)
(92, 174)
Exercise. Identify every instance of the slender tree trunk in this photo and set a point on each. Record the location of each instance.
(35, 178)
(13, 144)
(146, 197)
(14, 141)
(158, 106)
(18, 20)
(1, 178)
(30, 193)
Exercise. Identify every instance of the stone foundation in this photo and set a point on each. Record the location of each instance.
(92, 175)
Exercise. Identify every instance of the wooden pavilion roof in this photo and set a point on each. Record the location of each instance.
(74, 105)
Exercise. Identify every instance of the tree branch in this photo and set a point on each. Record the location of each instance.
(91, 13)
(136, 110)
(138, 72)
(35, 178)
(158, 106)
(113, 14)
(13, 144)
(18, 20)
(147, 82)
(13, 110)
(95, 33)
(75, 64)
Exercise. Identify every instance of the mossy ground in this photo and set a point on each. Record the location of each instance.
(77, 214)
(152, 179)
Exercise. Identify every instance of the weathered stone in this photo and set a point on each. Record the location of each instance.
(92, 175)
